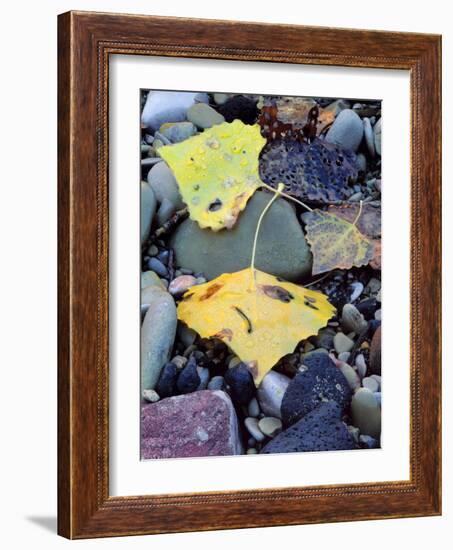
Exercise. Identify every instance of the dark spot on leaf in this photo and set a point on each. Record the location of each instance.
(211, 291)
(246, 319)
(277, 293)
(215, 205)
(308, 304)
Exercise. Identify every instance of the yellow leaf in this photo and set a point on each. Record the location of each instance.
(335, 242)
(260, 317)
(217, 171)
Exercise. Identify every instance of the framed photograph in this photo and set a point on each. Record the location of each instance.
(249, 275)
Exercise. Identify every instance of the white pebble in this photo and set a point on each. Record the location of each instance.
(253, 408)
(357, 291)
(366, 413)
(151, 396)
(344, 356)
(370, 383)
(355, 432)
(252, 427)
(270, 426)
(342, 343)
(271, 391)
(377, 378)
(352, 320)
(351, 376)
(360, 365)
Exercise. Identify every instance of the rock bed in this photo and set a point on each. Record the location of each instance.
(199, 399)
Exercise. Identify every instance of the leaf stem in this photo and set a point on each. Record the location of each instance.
(319, 280)
(358, 215)
(289, 197)
(258, 225)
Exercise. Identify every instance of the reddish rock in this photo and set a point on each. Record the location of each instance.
(201, 423)
(375, 352)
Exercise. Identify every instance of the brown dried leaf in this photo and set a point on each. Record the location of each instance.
(369, 222)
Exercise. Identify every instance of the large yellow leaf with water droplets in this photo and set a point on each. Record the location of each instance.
(260, 317)
(335, 242)
(217, 171)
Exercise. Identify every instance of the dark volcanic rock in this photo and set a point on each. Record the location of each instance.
(240, 382)
(321, 382)
(202, 423)
(241, 107)
(189, 380)
(320, 430)
(167, 380)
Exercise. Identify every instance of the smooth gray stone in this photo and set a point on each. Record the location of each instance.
(157, 336)
(165, 212)
(377, 136)
(216, 383)
(352, 320)
(203, 373)
(149, 278)
(252, 427)
(204, 116)
(163, 106)
(342, 343)
(162, 138)
(151, 161)
(281, 251)
(163, 183)
(369, 136)
(346, 131)
(158, 267)
(147, 210)
(360, 162)
(220, 99)
(186, 334)
(270, 393)
(178, 131)
(366, 413)
(270, 426)
(253, 408)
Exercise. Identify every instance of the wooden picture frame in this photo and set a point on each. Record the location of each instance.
(85, 508)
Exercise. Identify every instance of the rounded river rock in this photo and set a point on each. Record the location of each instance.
(157, 335)
(281, 250)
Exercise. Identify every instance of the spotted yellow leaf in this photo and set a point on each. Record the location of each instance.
(217, 171)
(260, 317)
(335, 242)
